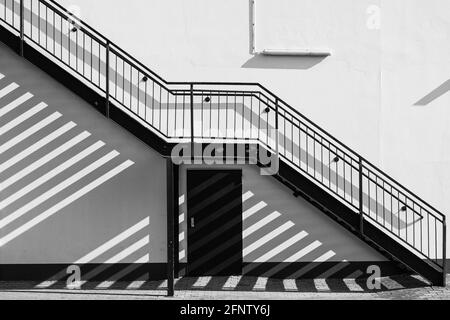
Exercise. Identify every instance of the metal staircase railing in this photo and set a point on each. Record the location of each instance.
(198, 112)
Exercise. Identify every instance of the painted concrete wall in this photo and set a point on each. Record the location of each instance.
(89, 193)
(266, 197)
(383, 90)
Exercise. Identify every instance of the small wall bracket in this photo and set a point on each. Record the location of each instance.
(297, 52)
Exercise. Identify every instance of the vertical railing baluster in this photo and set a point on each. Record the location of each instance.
(21, 27)
(361, 209)
(444, 249)
(192, 121)
(277, 113)
(107, 77)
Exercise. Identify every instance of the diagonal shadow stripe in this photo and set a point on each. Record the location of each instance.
(16, 103)
(227, 189)
(230, 261)
(218, 214)
(23, 117)
(57, 189)
(114, 241)
(281, 266)
(35, 147)
(326, 256)
(29, 132)
(49, 175)
(102, 249)
(62, 204)
(124, 272)
(8, 89)
(210, 255)
(435, 94)
(260, 224)
(205, 184)
(224, 228)
(334, 269)
(239, 256)
(282, 247)
(116, 258)
(253, 209)
(42, 161)
(268, 237)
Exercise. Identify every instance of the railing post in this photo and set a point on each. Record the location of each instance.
(107, 78)
(170, 175)
(22, 36)
(192, 123)
(361, 201)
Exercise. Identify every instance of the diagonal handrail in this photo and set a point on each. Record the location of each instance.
(378, 198)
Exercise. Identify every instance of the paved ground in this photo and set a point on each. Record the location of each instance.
(221, 288)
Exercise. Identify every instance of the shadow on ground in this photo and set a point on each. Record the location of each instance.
(244, 284)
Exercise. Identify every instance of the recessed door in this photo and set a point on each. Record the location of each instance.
(214, 205)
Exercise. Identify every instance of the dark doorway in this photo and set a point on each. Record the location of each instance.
(214, 205)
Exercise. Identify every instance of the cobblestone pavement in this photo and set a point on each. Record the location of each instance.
(232, 288)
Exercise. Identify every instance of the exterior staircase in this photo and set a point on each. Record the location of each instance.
(163, 114)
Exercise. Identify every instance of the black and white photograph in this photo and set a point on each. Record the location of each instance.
(206, 152)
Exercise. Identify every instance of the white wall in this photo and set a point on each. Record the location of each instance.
(364, 94)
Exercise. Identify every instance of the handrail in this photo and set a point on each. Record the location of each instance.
(307, 147)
